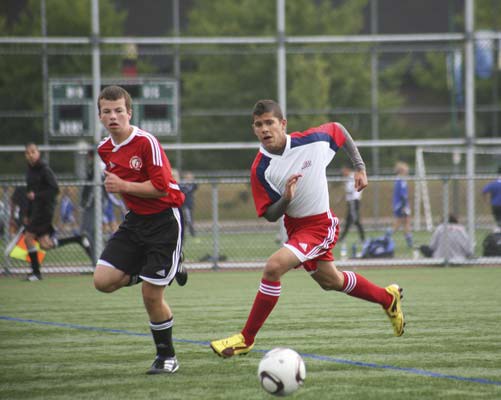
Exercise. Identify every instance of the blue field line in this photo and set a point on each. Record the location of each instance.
(414, 371)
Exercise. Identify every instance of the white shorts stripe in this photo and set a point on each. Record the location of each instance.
(331, 234)
(352, 281)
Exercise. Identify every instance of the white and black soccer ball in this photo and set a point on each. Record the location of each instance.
(281, 371)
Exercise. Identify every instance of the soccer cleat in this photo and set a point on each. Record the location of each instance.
(181, 274)
(394, 311)
(231, 346)
(34, 278)
(163, 366)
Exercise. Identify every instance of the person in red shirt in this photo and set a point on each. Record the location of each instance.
(147, 247)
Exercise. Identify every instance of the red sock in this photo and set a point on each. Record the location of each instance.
(357, 286)
(266, 298)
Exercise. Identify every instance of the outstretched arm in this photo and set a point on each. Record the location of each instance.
(352, 152)
(277, 209)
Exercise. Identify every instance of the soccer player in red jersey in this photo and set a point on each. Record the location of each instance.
(288, 179)
(147, 246)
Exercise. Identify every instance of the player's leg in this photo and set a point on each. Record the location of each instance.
(266, 298)
(81, 240)
(353, 284)
(120, 263)
(164, 237)
(348, 222)
(407, 229)
(108, 278)
(161, 323)
(357, 222)
(30, 240)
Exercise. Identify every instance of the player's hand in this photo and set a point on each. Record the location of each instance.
(290, 186)
(112, 183)
(360, 180)
(30, 196)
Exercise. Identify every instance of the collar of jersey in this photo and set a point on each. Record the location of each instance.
(286, 150)
(117, 147)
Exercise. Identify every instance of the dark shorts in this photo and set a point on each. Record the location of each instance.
(148, 245)
(40, 224)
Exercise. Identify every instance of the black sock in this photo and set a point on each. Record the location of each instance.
(68, 240)
(35, 265)
(134, 280)
(162, 336)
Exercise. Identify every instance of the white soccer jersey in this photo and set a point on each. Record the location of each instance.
(307, 153)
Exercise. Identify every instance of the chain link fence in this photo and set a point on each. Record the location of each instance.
(227, 234)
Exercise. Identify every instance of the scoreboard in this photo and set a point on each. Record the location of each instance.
(71, 105)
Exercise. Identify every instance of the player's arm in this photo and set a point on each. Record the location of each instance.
(114, 184)
(277, 209)
(353, 154)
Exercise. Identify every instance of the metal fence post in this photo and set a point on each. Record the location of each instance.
(445, 218)
(215, 224)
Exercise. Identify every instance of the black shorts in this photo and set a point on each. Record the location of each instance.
(40, 224)
(147, 245)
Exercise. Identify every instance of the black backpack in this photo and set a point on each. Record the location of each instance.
(492, 245)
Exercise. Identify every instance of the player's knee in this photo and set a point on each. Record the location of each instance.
(272, 271)
(103, 286)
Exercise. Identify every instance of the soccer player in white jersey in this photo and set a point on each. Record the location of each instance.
(288, 178)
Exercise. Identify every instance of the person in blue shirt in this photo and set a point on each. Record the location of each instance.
(493, 189)
(401, 207)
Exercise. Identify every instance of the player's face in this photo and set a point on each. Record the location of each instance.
(114, 116)
(32, 155)
(271, 132)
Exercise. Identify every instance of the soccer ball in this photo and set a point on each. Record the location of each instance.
(281, 371)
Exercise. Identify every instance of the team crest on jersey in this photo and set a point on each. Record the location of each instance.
(136, 163)
(306, 164)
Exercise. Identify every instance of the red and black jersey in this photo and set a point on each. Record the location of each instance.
(138, 159)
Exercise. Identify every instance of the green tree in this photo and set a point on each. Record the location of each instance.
(433, 76)
(21, 85)
(317, 79)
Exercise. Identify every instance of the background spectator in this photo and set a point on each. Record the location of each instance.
(449, 241)
(494, 190)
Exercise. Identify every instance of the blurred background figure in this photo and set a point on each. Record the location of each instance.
(401, 207)
(188, 187)
(353, 198)
(67, 212)
(41, 191)
(450, 241)
(18, 209)
(110, 204)
(494, 190)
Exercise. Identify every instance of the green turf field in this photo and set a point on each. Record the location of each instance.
(60, 339)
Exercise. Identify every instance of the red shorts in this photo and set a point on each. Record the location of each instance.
(312, 238)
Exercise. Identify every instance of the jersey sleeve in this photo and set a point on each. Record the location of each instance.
(160, 172)
(262, 192)
(336, 135)
(329, 132)
(157, 165)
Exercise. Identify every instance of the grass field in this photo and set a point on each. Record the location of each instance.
(60, 339)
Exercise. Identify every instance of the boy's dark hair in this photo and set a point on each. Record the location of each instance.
(266, 106)
(115, 93)
(453, 219)
(29, 144)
